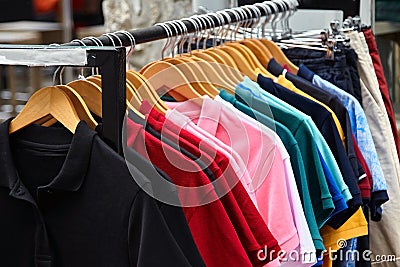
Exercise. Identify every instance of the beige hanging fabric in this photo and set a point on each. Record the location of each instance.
(385, 234)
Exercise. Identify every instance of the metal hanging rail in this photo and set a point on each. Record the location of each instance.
(157, 32)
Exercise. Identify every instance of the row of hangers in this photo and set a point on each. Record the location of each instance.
(328, 40)
(189, 74)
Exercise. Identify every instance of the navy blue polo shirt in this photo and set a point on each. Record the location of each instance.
(331, 101)
(324, 121)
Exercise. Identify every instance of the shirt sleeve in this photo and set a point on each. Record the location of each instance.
(149, 239)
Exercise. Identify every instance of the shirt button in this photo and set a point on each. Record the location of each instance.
(49, 191)
(20, 192)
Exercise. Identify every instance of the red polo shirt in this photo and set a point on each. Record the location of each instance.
(212, 230)
(250, 226)
(366, 183)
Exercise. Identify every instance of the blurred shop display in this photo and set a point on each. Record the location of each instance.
(387, 10)
(133, 14)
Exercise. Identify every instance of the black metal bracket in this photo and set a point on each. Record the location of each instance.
(112, 65)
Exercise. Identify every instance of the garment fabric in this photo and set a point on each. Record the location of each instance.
(321, 198)
(325, 124)
(336, 71)
(383, 87)
(295, 156)
(305, 248)
(236, 196)
(363, 137)
(331, 101)
(219, 121)
(353, 227)
(386, 237)
(295, 114)
(56, 196)
(337, 197)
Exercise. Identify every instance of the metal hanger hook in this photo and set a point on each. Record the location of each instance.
(220, 28)
(257, 20)
(167, 43)
(226, 24)
(184, 36)
(237, 25)
(174, 36)
(212, 27)
(268, 13)
(190, 38)
(133, 45)
(110, 38)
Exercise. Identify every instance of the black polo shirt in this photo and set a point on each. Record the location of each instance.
(331, 101)
(70, 200)
(324, 121)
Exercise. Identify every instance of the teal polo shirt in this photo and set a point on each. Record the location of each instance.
(296, 160)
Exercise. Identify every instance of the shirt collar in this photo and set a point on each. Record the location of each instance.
(274, 68)
(73, 171)
(305, 72)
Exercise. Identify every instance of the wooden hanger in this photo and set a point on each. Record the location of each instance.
(169, 79)
(224, 73)
(80, 105)
(94, 79)
(47, 102)
(252, 58)
(241, 61)
(190, 74)
(258, 49)
(146, 91)
(206, 74)
(90, 93)
(279, 56)
(97, 80)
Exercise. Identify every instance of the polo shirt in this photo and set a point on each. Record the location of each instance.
(289, 85)
(357, 220)
(331, 101)
(263, 160)
(321, 198)
(356, 226)
(320, 142)
(363, 137)
(364, 184)
(70, 200)
(198, 197)
(173, 215)
(247, 221)
(295, 158)
(325, 124)
(306, 242)
(340, 214)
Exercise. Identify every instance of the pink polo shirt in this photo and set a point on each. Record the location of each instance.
(306, 249)
(262, 157)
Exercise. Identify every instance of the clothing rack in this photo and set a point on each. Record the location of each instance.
(157, 32)
(113, 68)
(111, 62)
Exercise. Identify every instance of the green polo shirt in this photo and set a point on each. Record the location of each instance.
(296, 160)
(321, 198)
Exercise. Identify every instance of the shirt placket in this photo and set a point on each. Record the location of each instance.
(43, 256)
